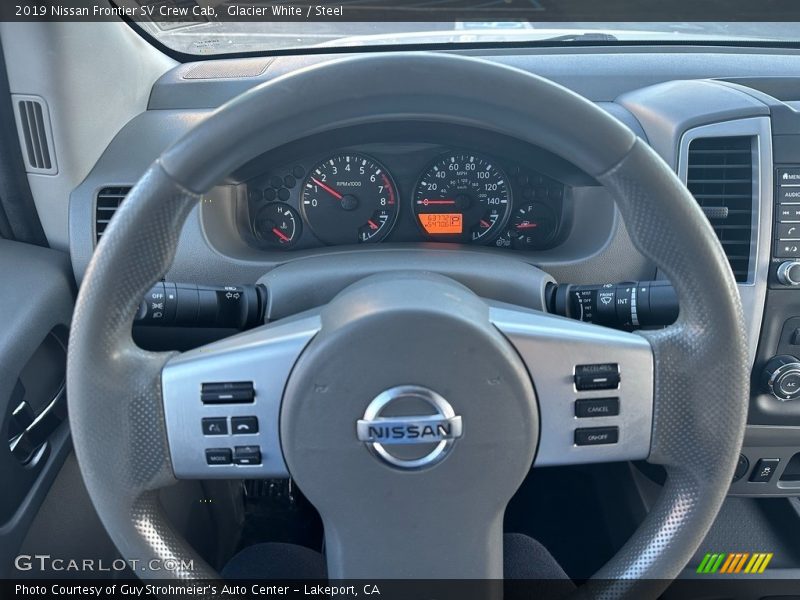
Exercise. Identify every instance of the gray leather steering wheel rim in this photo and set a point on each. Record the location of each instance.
(701, 383)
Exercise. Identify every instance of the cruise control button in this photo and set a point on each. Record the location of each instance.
(244, 425)
(247, 455)
(594, 436)
(218, 456)
(764, 470)
(597, 377)
(596, 407)
(215, 426)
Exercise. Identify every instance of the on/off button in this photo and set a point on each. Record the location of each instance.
(595, 436)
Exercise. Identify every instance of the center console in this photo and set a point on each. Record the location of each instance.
(770, 459)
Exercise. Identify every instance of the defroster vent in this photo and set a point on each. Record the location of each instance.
(720, 177)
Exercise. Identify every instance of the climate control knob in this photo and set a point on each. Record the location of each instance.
(781, 377)
(789, 273)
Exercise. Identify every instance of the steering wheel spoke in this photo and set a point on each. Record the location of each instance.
(222, 402)
(594, 386)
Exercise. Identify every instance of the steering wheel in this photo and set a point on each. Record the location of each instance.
(411, 443)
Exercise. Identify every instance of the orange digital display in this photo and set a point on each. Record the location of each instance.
(442, 223)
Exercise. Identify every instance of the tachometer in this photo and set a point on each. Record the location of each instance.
(349, 198)
(462, 197)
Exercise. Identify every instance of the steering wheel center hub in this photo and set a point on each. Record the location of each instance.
(408, 398)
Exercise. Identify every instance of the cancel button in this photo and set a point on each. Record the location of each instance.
(591, 436)
(596, 407)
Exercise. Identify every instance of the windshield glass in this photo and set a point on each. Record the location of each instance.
(209, 27)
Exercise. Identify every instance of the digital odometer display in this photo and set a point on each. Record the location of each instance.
(462, 197)
(442, 223)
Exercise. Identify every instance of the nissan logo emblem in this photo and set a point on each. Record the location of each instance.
(395, 436)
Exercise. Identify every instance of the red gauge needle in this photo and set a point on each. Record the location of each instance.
(372, 224)
(280, 234)
(527, 225)
(427, 201)
(327, 188)
(485, 223)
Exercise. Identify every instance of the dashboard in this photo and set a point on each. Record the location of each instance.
(427, 191)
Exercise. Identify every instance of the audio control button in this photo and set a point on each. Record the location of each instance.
(218, 456)
(789, 272)
(247, 455)
(789, 176)
(788, 194)
(788, 213)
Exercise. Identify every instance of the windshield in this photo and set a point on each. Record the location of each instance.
(210, 27)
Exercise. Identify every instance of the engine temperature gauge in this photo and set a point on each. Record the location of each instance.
(533, 226)
(277, 225)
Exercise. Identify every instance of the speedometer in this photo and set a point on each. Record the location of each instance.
(349, 198)
(462, 197)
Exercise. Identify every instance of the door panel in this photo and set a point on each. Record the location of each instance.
(37, 293)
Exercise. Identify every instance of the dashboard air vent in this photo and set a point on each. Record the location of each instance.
(36, 137)
(720, 177)
(108, 201)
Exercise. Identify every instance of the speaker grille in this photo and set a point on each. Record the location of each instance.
(229, 69)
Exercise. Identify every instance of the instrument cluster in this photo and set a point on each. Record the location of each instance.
(430, 194)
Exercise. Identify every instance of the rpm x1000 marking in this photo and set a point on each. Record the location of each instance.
(349, 198)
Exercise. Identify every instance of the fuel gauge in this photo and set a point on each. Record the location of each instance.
(277, 225)
(533, 226)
